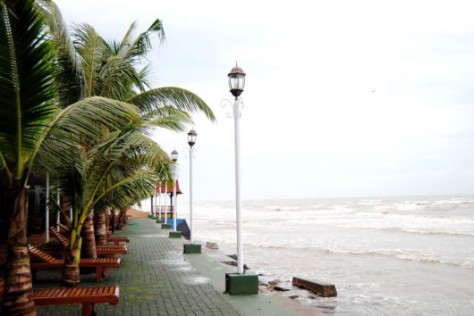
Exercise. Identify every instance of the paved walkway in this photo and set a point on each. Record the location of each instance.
(156, 278)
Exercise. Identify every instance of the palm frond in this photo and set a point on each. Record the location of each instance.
(80, 123)
(70, 78)
(90, 47)
(27, 72)
(89, 116)
(129, 191)
(178, 98)
(127, 38)
(142, 44)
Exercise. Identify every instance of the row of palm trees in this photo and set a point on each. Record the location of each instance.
(80, 109)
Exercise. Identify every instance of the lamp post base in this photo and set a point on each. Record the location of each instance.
(191, 248)
(241, 284)
(175, 234)
(165, 226)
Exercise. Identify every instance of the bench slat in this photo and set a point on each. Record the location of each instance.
(100, 264)
(102, 250)
(77, 295)
(44, 256)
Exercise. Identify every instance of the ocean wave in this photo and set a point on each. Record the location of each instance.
(393, 253)
(279, 208)
(453, 201)
(401, 254)
(426, 232)
(410, 230)
(409, 206)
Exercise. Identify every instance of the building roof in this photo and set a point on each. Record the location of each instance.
(169, 189)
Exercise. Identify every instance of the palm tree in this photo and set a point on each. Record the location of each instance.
(25, 111)
(32, 125)
(118, 165)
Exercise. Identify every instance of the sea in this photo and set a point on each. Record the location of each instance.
(386, 256)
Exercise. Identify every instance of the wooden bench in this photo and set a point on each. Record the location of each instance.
(49, 262)
(87, 297)
(111, 239)
(117, 240)
(102, 251)
(111, 251)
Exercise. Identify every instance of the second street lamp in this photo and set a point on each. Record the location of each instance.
(174, 157)
(192, 247)
(192, 135)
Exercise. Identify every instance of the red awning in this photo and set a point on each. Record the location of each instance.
(169, 189)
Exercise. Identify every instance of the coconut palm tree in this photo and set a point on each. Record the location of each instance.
(25, 111)
(32, 125)
(119, 165)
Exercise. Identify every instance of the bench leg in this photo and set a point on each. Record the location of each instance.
(99, 274)
(88, 309)
(106, 272)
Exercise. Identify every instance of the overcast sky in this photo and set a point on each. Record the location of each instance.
(343, 98)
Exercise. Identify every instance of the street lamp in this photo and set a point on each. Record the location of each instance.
(174, 157)
(236, 86)
(239, 283)
(192, 135)
(191, 248)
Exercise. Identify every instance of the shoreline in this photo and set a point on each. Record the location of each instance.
(296, 305)
(211, 264)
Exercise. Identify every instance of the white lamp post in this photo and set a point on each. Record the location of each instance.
(239, 283)
(159, 201)
(166, 203)
(236, 85)
(192, 135)
(174, 157)
(192, 247)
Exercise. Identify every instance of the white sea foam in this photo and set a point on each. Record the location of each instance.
(368, 247)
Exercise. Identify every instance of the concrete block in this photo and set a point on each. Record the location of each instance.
(241, 284)
(175, 234)
(211, 245)
(317, 287)
(191, 248)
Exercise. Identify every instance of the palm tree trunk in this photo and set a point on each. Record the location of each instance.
(71, 273)
(113, 221)
(118, 222)
(18, 291)
(100, 228)
(88, 247)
